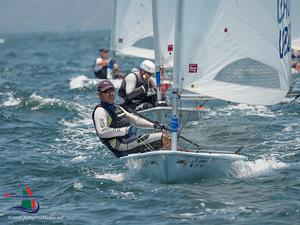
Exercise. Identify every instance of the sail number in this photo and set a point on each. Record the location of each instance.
(284, 41)
(283, 10)
(283, 13)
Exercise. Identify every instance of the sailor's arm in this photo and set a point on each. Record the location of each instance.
(138, 121)
(102, 128)
(101, 62)
(152, 82)
(131, 91)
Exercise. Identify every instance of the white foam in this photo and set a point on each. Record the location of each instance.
(186, 215)
(52, 101)
(42, 100)
(241, 108)
(11, 101)
(116, 177)
(2, 40)
(81, 82)
(123, 195)
(79, 158)
(252, 110)
(78, 186)
(260, 167)
(290, 127)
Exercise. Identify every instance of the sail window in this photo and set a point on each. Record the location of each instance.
(250, 72)
(147, 43)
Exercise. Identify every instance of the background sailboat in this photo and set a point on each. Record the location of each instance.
(223, 51)
(295, 5)
(164, 35)
(132, 32)
(131, 35)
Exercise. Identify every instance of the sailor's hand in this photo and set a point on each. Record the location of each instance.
(160, 126)
(131, 130)
(152, 83)
(146, 85)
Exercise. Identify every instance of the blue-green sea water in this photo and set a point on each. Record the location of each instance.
(47, 141)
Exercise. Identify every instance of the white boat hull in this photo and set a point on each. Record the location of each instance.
(164, 114)
(179, 166)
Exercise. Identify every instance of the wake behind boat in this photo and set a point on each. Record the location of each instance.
(82, 81)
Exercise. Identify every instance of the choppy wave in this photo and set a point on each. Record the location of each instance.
(81, 133)
(124, 195)
(116, 177)
(11, 100)
(82, 82)
(242, 108)
(77, 186)
(37, 102)
(265, 166)
(79, 158)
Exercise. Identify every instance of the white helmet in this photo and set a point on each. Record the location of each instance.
(148, 66)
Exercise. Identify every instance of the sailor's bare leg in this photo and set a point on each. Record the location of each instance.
(166, 141)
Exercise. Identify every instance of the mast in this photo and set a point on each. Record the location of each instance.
(177, 59)
(156, 46)
(113, 30)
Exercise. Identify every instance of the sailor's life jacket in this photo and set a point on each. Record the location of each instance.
(102, 73)
(138, 95)
(117, 119)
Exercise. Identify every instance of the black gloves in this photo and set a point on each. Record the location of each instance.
(146, 85)
(160, 126)
(132, 130)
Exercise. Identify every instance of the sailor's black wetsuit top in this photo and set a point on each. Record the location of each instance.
(139, 93)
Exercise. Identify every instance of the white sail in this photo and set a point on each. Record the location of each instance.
(164, 31)
(236, 50)
(295, 18)
(132, 32)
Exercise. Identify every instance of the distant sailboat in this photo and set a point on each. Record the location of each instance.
(223, 51)
(295, 5)
(132, 31)
(131, 34)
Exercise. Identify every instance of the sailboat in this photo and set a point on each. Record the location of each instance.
(134, 24)
(132, 32)
(164, 34)
(131, 35)
(295, 5)
(223, 51)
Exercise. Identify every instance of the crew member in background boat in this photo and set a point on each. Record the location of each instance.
(296, 66)
(105, 67)
(138, 89)
(295, 54)
(116, 127)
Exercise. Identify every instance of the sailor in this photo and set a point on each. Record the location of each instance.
(105, 67)
(116, 127)
(138, 89)
(296, 66)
